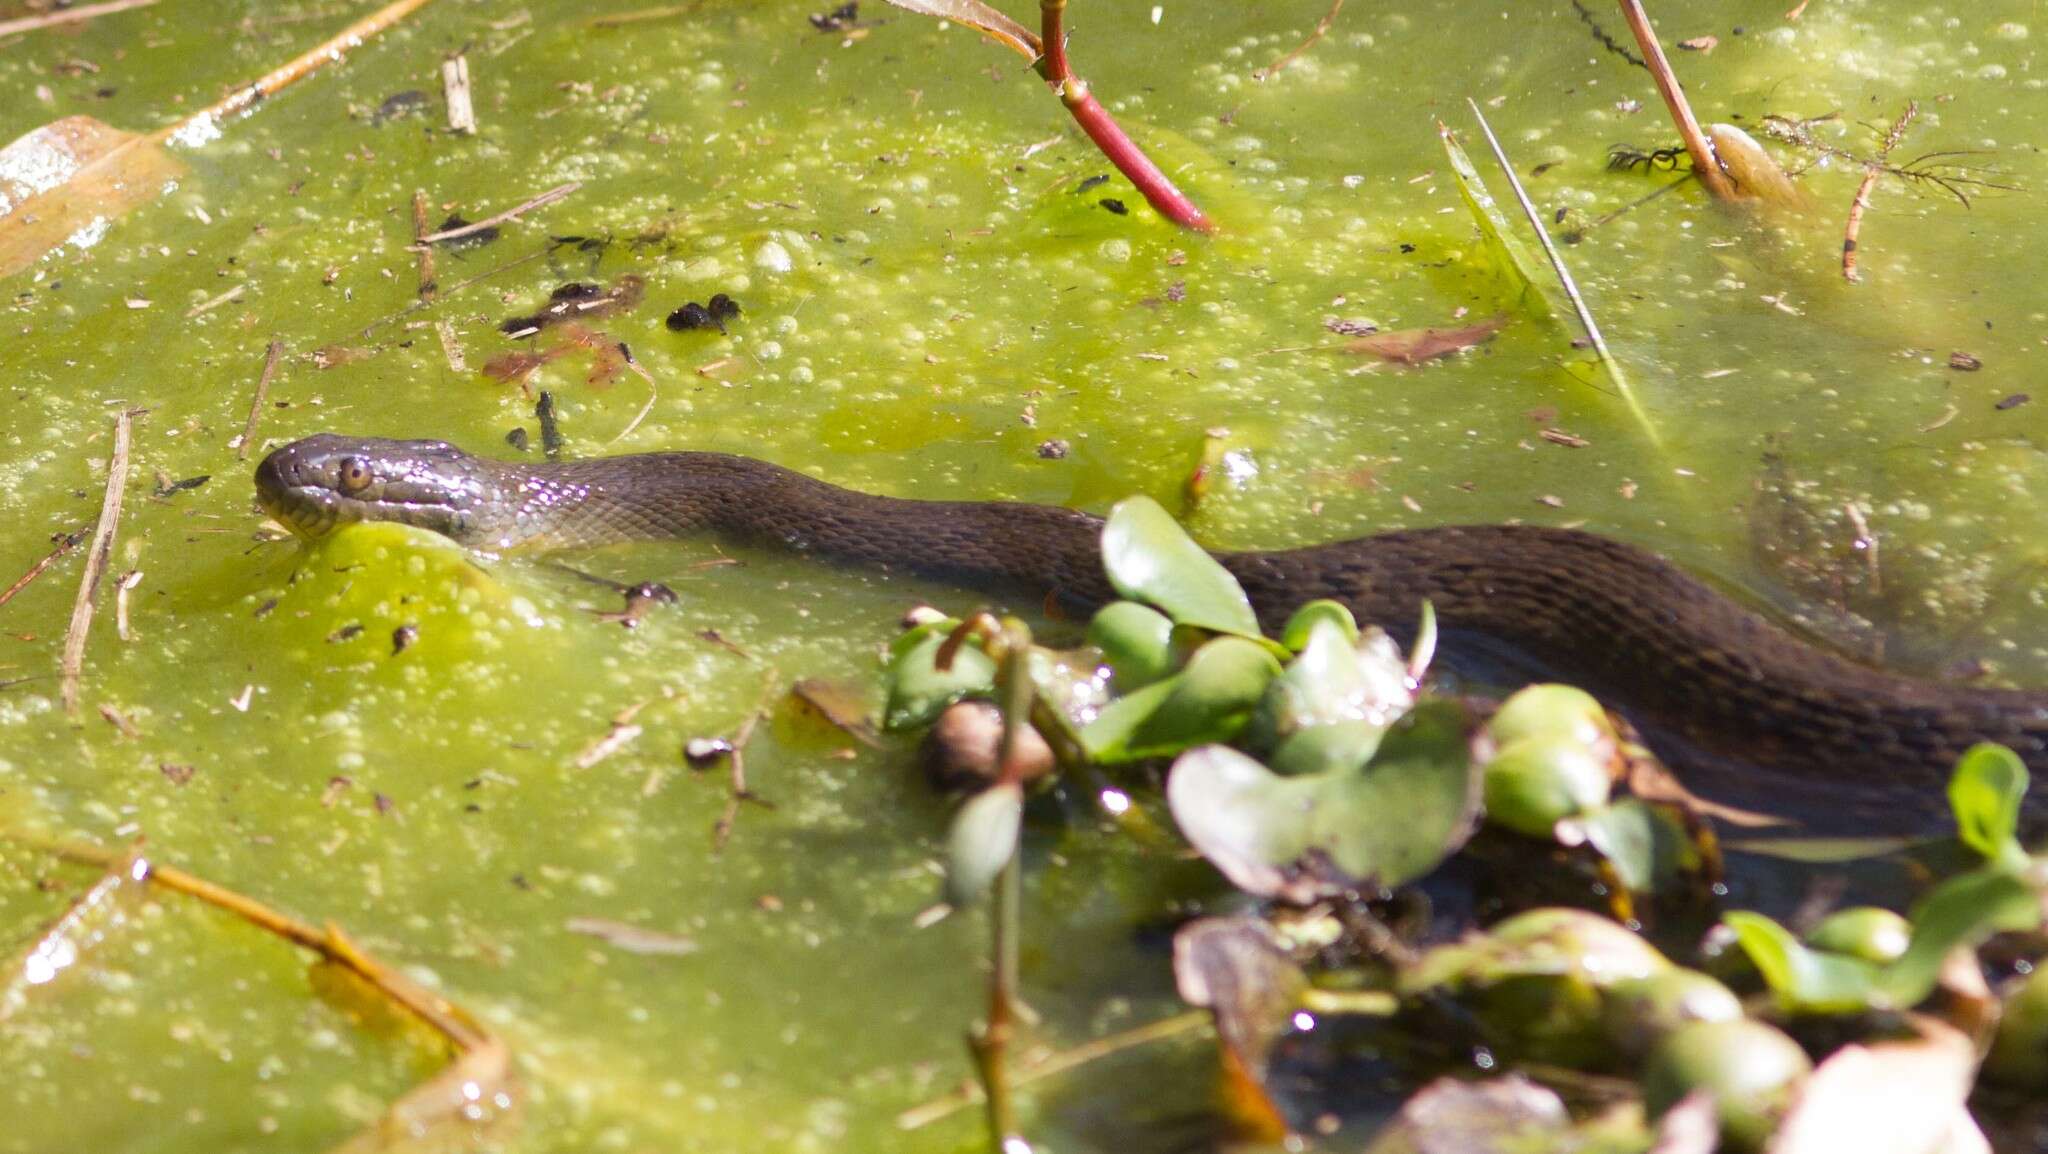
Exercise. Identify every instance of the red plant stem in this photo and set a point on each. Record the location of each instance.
(1704, 163)
(1159, 190)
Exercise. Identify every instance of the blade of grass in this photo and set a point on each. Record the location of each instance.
(1564, 278)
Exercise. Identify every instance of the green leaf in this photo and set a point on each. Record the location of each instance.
(1805, 979)
(1150, 558)
(1989, 783)
(982, 841)
(1961, 911)
(1344, 747)
(1513, 258)
(1647, 844)
(1338, 677)
(1210, 700)
(1136, 642)
(1302, 625)
(1302, 837)
(918, 690)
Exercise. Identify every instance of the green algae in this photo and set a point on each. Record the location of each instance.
(927, 300)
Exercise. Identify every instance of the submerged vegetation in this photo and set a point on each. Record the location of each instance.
(629, 845)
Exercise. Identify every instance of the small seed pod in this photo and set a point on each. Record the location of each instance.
(1752, 1070)
(1536, 782)
(1639, 1012)
(963, 749)
(1867, 932)
(1551, 711)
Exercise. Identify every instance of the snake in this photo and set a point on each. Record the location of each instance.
(1713, 684)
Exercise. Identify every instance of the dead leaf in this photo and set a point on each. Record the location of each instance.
(1414, 346)
(844, 706)
(1235, 968)
(1904, 1097)
(633, 939)
(1649, 780)
(1493, 1117)
(67, 178)
(981, 18)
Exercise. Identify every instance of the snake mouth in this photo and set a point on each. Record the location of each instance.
(309, 511)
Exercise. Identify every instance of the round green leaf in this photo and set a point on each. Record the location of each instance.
(1136, 643)
(1208, 701)
(982, 841)
(1150, 558)
(918, 690)
(1300, 626)
(1303, 837)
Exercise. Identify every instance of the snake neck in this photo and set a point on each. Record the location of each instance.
(1038, 550)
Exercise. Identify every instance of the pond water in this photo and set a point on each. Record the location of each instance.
(929, 295)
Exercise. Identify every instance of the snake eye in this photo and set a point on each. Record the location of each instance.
(355, 476)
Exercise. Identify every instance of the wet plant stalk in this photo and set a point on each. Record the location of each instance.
(1005, 1010)
(1158, 189)
(1564, 275)
(1704, 164)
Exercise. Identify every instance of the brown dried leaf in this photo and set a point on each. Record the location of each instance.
(1905, 1097)
(1235, 968)
(1449, 1116)
(982, 18)
(58, 180)
(844, 706)
(1414, 346)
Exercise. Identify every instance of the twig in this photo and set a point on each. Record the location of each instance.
(1703, 163)
(969, 1094)
(1852, 231)
(451, 347)
(645, 14)
(457, 287)
(1600, 34)
(69, 16)
(64, 542)
(1159, 191)
(1322, 29)
(201, 126)
(426, 251)
(211, 303)
(1564, 275)
(544, 199)
(455, 87)
(122, 588)
(270, 359)
(96, 561)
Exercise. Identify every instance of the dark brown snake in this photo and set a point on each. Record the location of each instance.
(1714, 685)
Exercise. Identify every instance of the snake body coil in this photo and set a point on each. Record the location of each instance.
(1713, 684)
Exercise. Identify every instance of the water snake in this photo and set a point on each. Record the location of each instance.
(1714, 684)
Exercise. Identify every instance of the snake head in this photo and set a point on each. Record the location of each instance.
(315, 484)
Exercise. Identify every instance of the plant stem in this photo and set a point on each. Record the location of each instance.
(1158, 189)
(1704, 164)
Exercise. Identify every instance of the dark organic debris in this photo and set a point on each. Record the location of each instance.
(697, 316)
(574, 301)
(1054, 450)
(166, 487)
(403, 637)
(517, 438)
(1116, 206)
(398, 106)
(838, 19)
(641, 600)
(705, 752)
(477, 239)
(1964, 362)
(1096, 181)
(2012, 402)
(550, 431)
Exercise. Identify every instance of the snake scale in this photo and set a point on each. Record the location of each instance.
(1713, 684)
